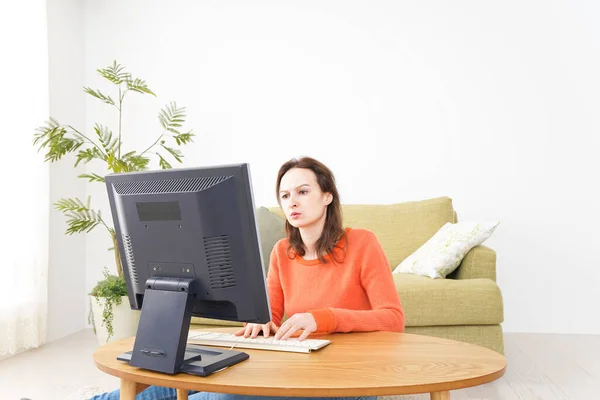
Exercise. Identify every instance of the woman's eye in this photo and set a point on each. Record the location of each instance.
(303, 192)
(285, 196)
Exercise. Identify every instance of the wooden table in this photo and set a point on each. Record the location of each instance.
(354, 364)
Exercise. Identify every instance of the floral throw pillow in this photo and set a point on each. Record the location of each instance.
(442, 254)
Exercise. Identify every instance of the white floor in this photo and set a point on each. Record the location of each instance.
(540, 366)
(47, 373)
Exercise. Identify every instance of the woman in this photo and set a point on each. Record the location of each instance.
(324, 277)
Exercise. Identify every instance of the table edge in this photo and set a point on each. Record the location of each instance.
(310, 392)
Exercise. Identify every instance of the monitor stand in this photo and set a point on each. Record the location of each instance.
(161, 340)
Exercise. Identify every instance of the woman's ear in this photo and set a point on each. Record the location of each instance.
(328, 198)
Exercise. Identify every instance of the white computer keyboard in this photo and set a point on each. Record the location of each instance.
(229, 340)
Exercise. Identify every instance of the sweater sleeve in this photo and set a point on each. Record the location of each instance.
(274, 288)
(386, 312)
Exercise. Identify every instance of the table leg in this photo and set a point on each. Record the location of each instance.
(182, 394)
(128, 390)
(445, 395)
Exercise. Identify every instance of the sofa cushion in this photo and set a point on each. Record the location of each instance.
(435, 302)
(403, 227)
(489, 336)
(271, 228)
(443, 252)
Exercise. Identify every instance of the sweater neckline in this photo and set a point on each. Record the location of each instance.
(339, 247)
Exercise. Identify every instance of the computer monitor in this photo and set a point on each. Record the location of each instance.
(189, 246)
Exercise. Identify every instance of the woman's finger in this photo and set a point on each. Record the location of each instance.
(293, 329)
(271, 328)
(266, 330)
(240, 332)
(286, 326)
(304, 334)
(248, 330)
(255, 330)
(282, 330)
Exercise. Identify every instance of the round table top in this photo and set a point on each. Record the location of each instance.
(354, 364)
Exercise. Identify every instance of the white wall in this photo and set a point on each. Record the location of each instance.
(67, 270)
(493, 104)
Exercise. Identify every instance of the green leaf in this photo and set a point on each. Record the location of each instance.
(112, 289)
(171, 117)
(105, 136)
(138, 163)
(114, 73)
(80, 217)
(92, 177)
(174, 152)
(116, 164)
(110, 286)
(128, 154)
(88, 155)
(138, 85)
(72, 204)
(183, 138)
(44, 131)
(164, 164)
(99, 95)
(134, 162)
(52, 137)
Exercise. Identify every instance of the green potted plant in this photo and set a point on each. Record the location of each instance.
(103, 145)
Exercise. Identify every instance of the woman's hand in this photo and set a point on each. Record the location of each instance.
(296, 322)
(252, 330)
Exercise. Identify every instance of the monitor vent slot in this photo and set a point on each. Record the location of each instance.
(218, 257)
(133, 276)
(168, 185)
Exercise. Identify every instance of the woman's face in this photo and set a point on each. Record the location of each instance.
(301, 198)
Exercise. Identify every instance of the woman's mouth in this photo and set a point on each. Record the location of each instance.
(295, 215)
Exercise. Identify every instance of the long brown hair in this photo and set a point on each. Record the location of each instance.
(333, 230)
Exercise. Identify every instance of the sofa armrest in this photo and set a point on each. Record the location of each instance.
(480, 262)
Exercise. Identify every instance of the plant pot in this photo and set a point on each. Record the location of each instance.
(125, 320)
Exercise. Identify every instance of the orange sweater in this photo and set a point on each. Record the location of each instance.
(356, 294)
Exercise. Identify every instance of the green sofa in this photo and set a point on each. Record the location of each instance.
(466, 306)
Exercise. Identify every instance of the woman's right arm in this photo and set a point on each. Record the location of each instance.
(275, 291)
